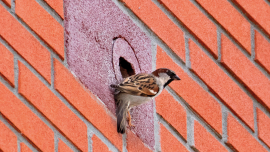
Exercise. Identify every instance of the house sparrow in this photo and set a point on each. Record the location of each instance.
(138, 89)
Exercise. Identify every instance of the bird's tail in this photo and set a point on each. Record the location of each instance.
(121, 113)
(121, 123)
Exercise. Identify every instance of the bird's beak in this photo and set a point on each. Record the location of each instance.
(176, 78)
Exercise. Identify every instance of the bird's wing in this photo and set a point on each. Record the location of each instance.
(140, 85)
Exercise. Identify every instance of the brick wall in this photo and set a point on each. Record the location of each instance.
(219, 48)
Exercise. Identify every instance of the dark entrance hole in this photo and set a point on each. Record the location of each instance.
(125, 68)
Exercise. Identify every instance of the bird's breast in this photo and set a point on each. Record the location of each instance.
(138, 100)
(134, 100)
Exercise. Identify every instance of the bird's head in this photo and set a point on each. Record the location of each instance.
(165, 75)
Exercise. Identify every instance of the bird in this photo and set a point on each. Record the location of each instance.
(139, 89)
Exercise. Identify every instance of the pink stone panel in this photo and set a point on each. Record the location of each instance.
(122, 49)
(90, 30)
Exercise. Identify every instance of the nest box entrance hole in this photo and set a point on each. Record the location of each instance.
(125, 68)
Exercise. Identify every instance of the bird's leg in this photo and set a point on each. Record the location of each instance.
(129, 120)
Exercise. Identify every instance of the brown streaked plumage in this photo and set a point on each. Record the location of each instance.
(140, 85)
(138, 89)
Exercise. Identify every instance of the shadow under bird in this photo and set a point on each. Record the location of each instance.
(138, 89)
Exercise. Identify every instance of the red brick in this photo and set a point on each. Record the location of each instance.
(24, 148)
(42, 23)
(173, 112)
(98, 145)
(62, 147)
(196, 21)
(83, 100)
(192, 93)
(262, 47)
(152, 16)
(258, 10)
(245, 70)
(221, 84)
(57, 5)
(6, 64)
(230, 19)
(263, 126)
(52, 107)
(25, 44)
(169, 142)
(134, 143)
(204, 141)
(8, 140)
(25, 120)
(240, 138)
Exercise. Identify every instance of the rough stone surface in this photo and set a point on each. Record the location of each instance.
(122, 49)
(90, 27)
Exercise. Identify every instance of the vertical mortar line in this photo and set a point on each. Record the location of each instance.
(224, 123)
(65, 50)
(65, 40)
(190, 129)
(188, 64)
(56, 141)
(156, 130)
(263, 109)
(16, 73)
(154, 54)
(255, 121)
(156, 122)
(18, 145)
(13, 4)
(124, 139)
(52, 71)
(219, 44)
(90, 141)
(252, 37)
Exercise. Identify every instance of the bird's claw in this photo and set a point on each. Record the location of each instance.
(130, 124)
(129, 120)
